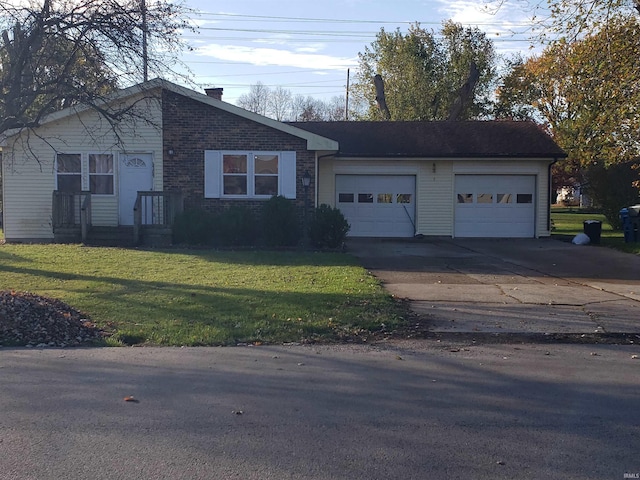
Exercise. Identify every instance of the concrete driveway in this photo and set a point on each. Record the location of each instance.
(509, 286)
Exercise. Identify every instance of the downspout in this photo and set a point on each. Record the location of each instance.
(549, 179)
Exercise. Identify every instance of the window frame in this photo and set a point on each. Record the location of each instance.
(85, 172)
(250, 174)
(102, 174)
(288, 175)
(68, 174)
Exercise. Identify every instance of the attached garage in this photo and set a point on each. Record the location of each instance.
(487, 179)
(377, 205)
(498, 206)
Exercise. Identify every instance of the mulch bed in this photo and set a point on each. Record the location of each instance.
(36, 321)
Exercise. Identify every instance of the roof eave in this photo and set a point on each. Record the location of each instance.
(397, 156)
(314, 141)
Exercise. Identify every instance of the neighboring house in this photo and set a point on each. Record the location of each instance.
(184, 149)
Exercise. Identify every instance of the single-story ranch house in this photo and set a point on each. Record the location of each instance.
(182, 149)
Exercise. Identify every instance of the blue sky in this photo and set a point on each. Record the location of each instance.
(307, 46)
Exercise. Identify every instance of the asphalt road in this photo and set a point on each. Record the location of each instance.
(404, 410)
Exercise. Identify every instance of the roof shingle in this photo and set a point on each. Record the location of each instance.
(437, 139)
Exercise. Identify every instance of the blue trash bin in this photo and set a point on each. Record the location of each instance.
(630, 217)
(626, 224)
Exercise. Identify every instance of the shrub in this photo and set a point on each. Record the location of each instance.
(612, 188)
(193, 227)
(280, 223)
(235, 226)
(328, 228)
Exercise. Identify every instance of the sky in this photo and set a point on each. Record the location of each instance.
(308, 46)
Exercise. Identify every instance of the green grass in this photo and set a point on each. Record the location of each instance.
(570, 222)
(203, 297)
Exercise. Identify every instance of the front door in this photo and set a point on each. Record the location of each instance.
(135, 175)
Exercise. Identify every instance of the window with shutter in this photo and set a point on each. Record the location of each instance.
(249, 174)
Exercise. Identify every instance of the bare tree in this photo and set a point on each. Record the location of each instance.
(58, 53)
(256, 100)
(308, 109)
(279, 103)
(336, 109)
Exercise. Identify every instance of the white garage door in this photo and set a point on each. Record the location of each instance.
(377, 205)
(495, 206)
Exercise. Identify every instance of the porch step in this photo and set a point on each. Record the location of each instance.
(110, 236)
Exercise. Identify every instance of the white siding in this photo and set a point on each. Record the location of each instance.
(29, 167)
(434, 204)
(27, 200)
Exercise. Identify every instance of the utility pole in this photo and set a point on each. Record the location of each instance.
(145, 53)
(346, 103)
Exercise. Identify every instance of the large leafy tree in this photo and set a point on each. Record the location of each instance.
(576, 18)
(57, 53)
(423, 72)
(588, 93)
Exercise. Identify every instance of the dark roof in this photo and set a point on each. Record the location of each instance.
(437, 139)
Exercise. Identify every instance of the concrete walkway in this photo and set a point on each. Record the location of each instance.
(509, 286)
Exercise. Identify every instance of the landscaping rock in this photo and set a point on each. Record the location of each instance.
(32, 320)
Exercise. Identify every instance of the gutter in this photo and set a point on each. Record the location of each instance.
(549, 179)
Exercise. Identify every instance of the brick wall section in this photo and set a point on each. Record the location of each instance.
(191, 127)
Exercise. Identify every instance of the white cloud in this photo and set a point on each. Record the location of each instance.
(275, 57)
(510, 24)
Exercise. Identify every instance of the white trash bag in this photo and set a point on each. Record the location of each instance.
(581, 239)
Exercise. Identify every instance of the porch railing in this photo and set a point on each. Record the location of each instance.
(72, 210)
(155, 209)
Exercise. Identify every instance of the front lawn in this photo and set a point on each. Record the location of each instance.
(204, 297)
(569, 222)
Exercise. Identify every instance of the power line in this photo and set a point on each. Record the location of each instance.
(281, 19)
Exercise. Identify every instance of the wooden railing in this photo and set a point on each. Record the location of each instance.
(72, 210)
(155, 209)
(85, 217)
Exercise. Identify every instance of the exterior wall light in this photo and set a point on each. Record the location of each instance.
(306, 179)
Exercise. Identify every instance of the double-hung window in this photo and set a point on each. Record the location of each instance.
(69, 172)
(249, 174)
(77, 172)
(101, 173)
(265, 171)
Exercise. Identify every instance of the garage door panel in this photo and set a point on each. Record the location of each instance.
(498, 206)
(377, 205)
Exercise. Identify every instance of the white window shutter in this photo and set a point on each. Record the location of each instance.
(288, 179)
(212, 173)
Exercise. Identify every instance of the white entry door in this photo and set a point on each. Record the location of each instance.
(377, 205)
(135, 175)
